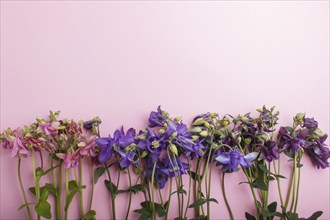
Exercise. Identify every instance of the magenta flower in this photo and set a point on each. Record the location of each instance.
(8, 139)
(48, 129)
(88, 149)
(18, 147)
(70, 159)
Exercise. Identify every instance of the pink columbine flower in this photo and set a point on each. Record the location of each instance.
(8, 141)
(70, 159)
(19, 148)
(48, 129)
(88, 149)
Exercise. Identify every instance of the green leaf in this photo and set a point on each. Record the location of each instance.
(98, 173)
(194, 176)
(43, 209)
(73, 185)
(51, 189)
(90, 215)
(272, 207)
(136, 188)
(32, 190)
(180, 190)
(260, 185)
(44, 194)
(69, 199)
(39, 172)
(315, 215)
(263, 168)
(25, 205)
(200, 202)
(200, 217)
(144, 216)
(111, 187)
(249, 216)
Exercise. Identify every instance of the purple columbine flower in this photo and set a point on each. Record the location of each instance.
(174, 167)
(292, 143)
(180, 137)
(269, 151)
(156, 118)
(232, 159)
(153, 143)
(106, 145)
(319, 153)
(88, 125)
(127, 158)
(18, 148)
(125, 140)
(310, 124)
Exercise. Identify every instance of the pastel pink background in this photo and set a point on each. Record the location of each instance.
(120, 60)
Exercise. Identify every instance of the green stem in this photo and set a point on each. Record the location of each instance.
(81, 203)
(289, 190)
(252, 190)
(36, 180)
(130, 193)
(206, 172)
(294, 183)
(112, 196)
(225, 197)
(66, 192)
(278, 180)
(176, 181)
(92, 190)
(189, 192)
(22, 189)
(59, 193)
(297, 193)
(169, 199)
(197, 172)
(152, 190)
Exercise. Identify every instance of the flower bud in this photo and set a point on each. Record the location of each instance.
(161, 131)
(207, 125)
(144, 154)
(196, 130)
(199, 121)
(300, 116)
(225, 122)
(203, 133)
(175, 134)
(178, 118)
(174, 149)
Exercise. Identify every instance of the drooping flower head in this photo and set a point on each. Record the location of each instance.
(269, 151)
(232, 159)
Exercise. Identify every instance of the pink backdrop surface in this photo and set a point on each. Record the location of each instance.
(120, 60)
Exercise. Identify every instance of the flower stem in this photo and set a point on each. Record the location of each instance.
(278, 180)
(36, 180)
(294, 182)
(289, 190)
(169, 199)
(130, 193)
(112, 196)
(297, 193)
(189, 192)
(92, 190)
(197, 172)
(22, 189)
(152, 190)
(225, 197)
(81, 203)
(66, 192)
(59, 193)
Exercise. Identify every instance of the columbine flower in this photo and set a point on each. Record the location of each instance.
(174, 167)
(180, 137)
(7, 139)
(87, 148)
(126, 139)
(156, 118)
(153, 142)
(18, 148)
(127, 158)
(70, 159)
(106, 145)
(232, 159)
(319, 153)
(292, 143)
(48, 129)
(310, 124)
(88, 125)
(269, 151)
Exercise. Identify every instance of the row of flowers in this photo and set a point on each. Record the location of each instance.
(162, 154)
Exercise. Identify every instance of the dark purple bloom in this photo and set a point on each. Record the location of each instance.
(310, 124)
(319, 153)
(232, 159)
(156, 118)
(126, 139)
(127, 158)
(269, 151)
(88, 125)
(106, 145)
(174, 167)
(153, 142)
(292, 143)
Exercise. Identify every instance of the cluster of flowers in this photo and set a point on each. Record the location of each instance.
(168, 149)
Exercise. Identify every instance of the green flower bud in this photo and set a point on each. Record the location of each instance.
(247, 140)
(161, 131)
(175, 134)
(194, 137)
(199, 121)
(213, 114)
(300, 116)
(174, 149)
(239, 139)
(203, 133)
(265, 137)
(196, 130)
(207, 125)
(178, 118)
(144, 154)
(244, 119)
(225, 122)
